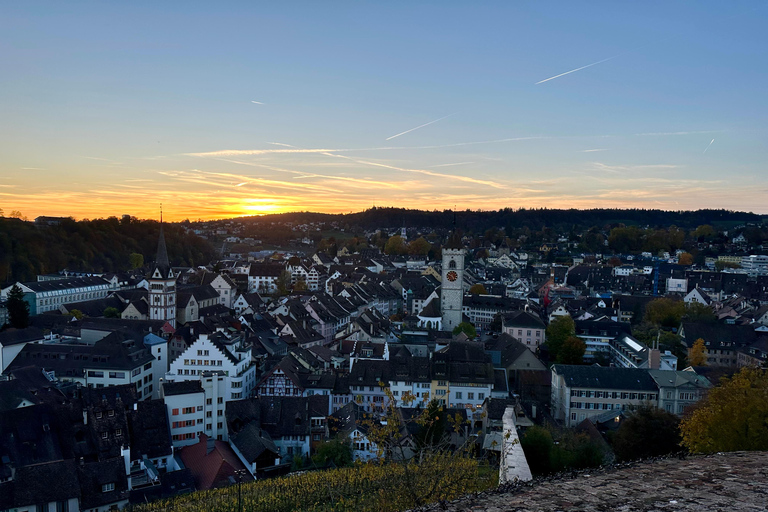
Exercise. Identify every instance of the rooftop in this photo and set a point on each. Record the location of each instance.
(732, 481)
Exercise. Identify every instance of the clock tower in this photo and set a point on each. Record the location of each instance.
(162, 286)
(452, 285)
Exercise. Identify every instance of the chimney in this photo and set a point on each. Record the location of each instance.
(654, 359)
(85, 416)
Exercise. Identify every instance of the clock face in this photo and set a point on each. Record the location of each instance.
(452, 276)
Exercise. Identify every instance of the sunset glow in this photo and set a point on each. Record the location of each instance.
(275, 108)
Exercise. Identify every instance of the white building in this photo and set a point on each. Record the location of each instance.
(218, 354)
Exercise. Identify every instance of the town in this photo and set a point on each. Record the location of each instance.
(128, 385)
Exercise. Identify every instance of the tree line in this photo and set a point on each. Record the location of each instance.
(100, 245)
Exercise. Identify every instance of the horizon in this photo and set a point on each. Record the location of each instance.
(259, 109)
(447, 210)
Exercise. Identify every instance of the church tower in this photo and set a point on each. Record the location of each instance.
(452, 286)
(162, 285)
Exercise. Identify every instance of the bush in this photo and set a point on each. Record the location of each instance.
(647, 432)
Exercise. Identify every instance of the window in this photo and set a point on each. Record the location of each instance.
(175, 412)
(118, 432)
(470, 396)
(458, 395)
(108, 487)
(481, 396)
(62, 506)
(220, 400)
(104, 435)
(147, 366)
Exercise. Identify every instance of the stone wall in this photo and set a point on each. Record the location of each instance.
(513, 466)
(732, 482)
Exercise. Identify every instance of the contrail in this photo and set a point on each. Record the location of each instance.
(257, 102)
(710, 143)
(578, 69)
(422, 126)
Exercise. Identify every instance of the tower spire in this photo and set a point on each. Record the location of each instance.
(161, 260)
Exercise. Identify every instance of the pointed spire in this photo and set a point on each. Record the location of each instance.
(161, 260)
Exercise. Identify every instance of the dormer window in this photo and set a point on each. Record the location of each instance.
(110, 413)
(98, 415)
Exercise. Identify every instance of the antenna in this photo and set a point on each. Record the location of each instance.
(161, 213)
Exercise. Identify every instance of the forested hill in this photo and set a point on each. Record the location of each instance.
(101, 245)
(534, 219)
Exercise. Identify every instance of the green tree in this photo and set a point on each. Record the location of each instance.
(111, 313)
(18, 308)
(704, 232)
(664, 312)
(467, 328)
(698, 353)
(136, 260)
(700, 313)
(559, 330)
(733, 416)
(497, 323)
(572, 351)
(76, 313)
(283, 283)
(395, 246)
(419, 247)
(337, 450)
(647, 432)
(537, 444)
(722, 265)
(478, 289)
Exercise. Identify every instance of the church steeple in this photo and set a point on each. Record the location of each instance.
(162, 284)
(161, 260)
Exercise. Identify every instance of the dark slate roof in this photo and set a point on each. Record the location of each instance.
(65, 284)
(30, 384)
(252, 442)
(150, 432)
(495, 407)
(94, 475)
(15, 336)
(718, 336)
(111, 353)
(632, 379)
(463, 361)
(432, 309)
(368, 372)
(523, 319)
(182, 387)
(41, 483)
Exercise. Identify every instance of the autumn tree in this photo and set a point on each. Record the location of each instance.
(419, 247)
(647, 432)
(478, 289)
(395, 246)
(18, 308)
(559, 330)
(733, 416)
(698, 355)
(685, 258)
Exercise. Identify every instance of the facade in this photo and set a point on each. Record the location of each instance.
(526, 327)
(216, 354)
(162, 286)
(581, 392)
(45, 296)
(452, 285)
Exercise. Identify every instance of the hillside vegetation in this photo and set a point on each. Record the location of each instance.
(102, 245)
(362, 488)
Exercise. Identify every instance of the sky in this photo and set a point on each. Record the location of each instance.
(224, 109)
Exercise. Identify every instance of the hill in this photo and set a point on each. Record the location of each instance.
(102, 245)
